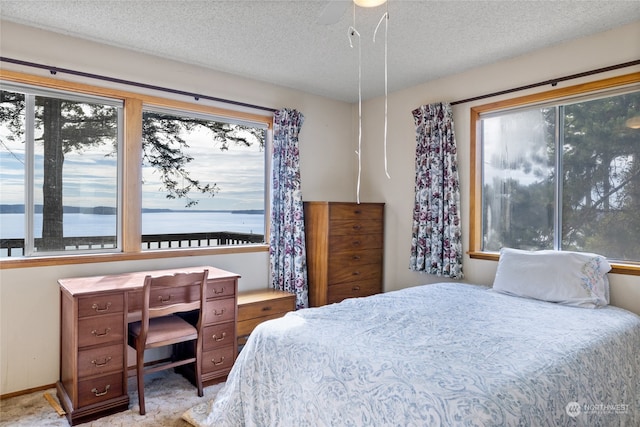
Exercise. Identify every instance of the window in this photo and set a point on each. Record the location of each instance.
(203, 180)
(560, 174)
(99, 174)
(59, 172)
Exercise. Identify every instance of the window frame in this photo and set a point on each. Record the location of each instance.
(31, 92)
(130, 221)
(237, 121)
(475, 195)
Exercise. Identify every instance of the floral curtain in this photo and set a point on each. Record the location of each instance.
(287, 251)
(436, 243)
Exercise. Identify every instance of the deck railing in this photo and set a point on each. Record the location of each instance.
(15, 247)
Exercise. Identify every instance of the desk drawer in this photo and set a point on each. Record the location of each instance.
(101, 360)
(163, 296)
(100, 330)
(100, 304)
(218, 335)
(221, 288)
(218, 360)
(220, 310)
(99, 389)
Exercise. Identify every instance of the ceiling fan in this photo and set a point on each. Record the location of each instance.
(335, 9)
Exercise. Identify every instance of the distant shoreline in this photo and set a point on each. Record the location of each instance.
(105, 210)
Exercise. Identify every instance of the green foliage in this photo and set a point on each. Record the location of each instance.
(164, 149)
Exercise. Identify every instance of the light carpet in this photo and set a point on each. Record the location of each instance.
(167, 395)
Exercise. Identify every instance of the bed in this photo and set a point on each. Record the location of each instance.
(446, 354)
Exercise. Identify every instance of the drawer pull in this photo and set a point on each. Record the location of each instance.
(101, 393)
(266, 308)
(356, 243)
(356, 273)
(218, 313)
(220, 362)
(97, 334)
(218, 292)
(100, 364)
(218, 339)
(97, 308)
(355, 288)
(357, 227)
(357, 212)
(356, 258)
(164, 300)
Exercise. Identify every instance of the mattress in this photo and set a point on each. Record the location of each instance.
(446, 354)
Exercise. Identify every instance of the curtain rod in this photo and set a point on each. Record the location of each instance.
(196, 96)
(552, 82)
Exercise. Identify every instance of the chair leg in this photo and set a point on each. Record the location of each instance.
(140, 378)
(199, 367)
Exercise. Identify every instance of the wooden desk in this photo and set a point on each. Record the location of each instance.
(95, 312)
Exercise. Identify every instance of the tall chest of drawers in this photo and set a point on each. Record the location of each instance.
(95, 312)
(344, 243)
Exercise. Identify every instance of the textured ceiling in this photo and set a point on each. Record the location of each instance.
(286, 43)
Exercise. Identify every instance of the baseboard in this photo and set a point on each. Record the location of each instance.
(27, 391)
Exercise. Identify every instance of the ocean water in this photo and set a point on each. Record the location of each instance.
(76, 225)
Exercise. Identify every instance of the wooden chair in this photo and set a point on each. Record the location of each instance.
(163, 297)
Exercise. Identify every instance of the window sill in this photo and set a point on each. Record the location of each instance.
(131, 256)
(632, 269)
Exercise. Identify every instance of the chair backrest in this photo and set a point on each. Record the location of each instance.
(174, 293)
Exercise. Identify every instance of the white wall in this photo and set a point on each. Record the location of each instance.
(602, 50)
(29, 313)
(29, 297)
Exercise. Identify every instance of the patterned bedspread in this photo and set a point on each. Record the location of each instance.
(447, 354)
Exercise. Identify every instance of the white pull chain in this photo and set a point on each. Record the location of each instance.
(354, 32)
(386, 91)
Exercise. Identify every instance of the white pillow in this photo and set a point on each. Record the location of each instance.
(572, 278)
